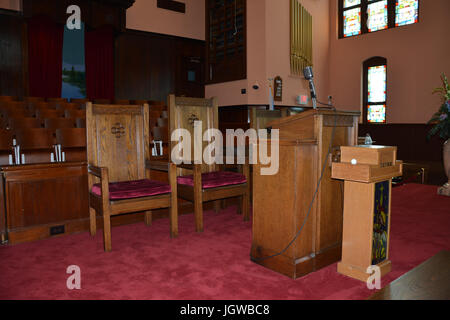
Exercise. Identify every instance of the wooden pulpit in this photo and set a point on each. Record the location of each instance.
(368, 173)
(287, 202)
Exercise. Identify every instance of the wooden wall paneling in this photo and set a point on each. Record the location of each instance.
(191, 59)
(93, 13)
(151, 66)
(162, 56)
(132, 67)
(413, 146)
(411, 140)
(12, 60)
(41, 196)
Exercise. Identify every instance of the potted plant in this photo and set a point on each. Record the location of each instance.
(441, 121)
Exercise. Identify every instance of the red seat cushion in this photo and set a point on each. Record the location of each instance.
(214, 179)
(133, 189)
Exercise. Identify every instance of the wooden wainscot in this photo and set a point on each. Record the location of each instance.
(367, 172)
(43, 200)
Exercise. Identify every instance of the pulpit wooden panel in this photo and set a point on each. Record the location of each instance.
(282, 202)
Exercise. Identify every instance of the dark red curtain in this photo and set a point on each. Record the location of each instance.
(45, 46)
(99, 53)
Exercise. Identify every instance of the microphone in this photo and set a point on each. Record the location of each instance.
(308, 74)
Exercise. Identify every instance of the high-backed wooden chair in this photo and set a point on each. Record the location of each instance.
(119, 168)
(207, 183)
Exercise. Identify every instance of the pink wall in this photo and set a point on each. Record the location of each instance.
(268, 50)
(144, 15)
(11, 4)
(416, 55)
(229, 93)
(278, 48)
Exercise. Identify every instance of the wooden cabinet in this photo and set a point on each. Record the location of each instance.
(42, 200)
(226, 40)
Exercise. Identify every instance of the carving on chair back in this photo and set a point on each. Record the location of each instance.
(193, 118)
(184, 111)
(118, 139)
(118, 130)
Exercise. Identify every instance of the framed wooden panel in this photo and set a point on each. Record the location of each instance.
(118, 128)
(184, 113)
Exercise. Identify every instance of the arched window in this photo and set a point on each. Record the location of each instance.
(374, 90)
(365, 16)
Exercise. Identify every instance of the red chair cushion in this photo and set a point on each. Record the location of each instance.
(214, 179)
(133, 189)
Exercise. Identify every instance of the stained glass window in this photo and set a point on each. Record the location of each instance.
(376, 113)
(377, 14)
(406, 12)
(375, 88)
(365, 16)
(376, 82)
(352, 22)
(351, 3)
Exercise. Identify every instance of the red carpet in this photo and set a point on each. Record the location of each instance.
(147, 264)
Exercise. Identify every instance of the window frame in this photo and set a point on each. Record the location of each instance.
(373, 62)
(364, 16)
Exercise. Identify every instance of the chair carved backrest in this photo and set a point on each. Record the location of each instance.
(117, 138)
(183, 113)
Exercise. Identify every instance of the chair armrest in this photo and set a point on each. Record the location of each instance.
(99, 172)
(186, 166)
(102, 173)
(157, 165)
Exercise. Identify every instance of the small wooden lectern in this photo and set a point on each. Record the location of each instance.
(368, 173)
(283, 203)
